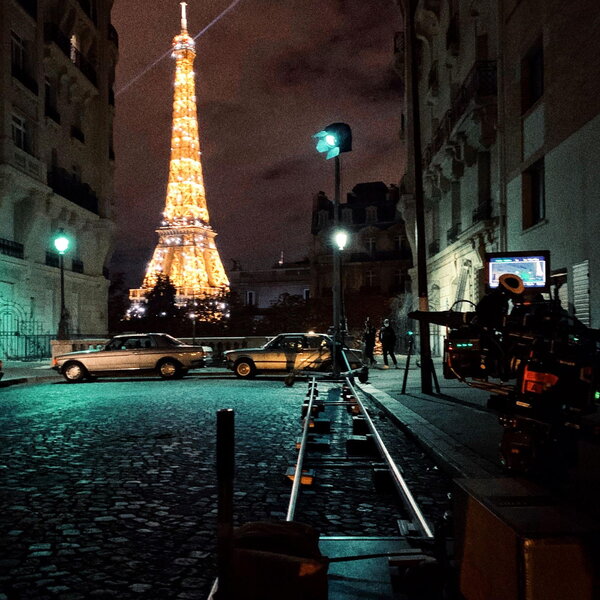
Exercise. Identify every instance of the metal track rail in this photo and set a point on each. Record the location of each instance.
(402, 488)
(298, 471)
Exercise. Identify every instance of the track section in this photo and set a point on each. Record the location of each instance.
(352, 492)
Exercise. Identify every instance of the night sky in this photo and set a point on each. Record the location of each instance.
(269, 74)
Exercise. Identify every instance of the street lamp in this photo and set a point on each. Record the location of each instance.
(333, 140)
(341, 239)
(61, 243)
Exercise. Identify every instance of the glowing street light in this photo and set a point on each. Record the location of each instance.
(341, 239)
(62, 243)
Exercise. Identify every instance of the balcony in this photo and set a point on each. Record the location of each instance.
(69, 187)
(77, 266)
(25, 78)
(479, 84)
(29, 6)
(53, 34)
(10, 248)
(482, 212)
(77, 134)
(52, 259)
(453, 233)
(434, 247)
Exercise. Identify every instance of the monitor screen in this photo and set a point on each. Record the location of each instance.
(532, 267)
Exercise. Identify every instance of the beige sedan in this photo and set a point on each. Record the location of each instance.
(289, 352)
(132, 354)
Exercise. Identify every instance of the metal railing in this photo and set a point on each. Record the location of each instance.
(10, 248)
(453, 232)
(66, 185)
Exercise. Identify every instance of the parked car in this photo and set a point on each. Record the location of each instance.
(290, 352)
(136, 353)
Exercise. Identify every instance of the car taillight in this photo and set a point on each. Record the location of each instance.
(54, 362)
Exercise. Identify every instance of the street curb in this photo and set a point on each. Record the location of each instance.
(26, 380)
(451, 456)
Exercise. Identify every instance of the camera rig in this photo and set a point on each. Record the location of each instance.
(540, 365)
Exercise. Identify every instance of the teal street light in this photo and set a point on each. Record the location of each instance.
(61, 243)
(333, 140)
(341, 239)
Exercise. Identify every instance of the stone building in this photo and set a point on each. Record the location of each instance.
(376, 260)
(56, 165)
(509, 111)
(261, 288)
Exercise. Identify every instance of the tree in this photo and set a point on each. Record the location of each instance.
(161, 298)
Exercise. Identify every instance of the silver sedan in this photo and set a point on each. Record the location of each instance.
(137, 353)
(288, 352)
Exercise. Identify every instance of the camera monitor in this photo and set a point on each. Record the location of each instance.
(532, 267)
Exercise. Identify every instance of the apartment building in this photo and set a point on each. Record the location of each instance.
(56, 167)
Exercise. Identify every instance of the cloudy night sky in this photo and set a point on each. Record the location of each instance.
(269, 74)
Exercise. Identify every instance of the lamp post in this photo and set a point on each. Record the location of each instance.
(61, 243)
(341, 239)
(333, 140)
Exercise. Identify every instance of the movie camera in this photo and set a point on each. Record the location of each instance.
(540, 364)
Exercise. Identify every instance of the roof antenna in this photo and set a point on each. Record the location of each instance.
(183, 16)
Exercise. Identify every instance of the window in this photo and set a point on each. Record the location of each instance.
(20, 134)
(534, 197)
(346, 215)
(370, 278)
(250, 298)
(75, 49)
(532, 76)
(17, 52)
(323, 218)
(306, 294)
(370, 243)
(371, 214)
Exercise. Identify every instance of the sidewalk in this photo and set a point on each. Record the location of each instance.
(452, 425)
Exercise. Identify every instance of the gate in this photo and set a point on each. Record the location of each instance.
(21, 336)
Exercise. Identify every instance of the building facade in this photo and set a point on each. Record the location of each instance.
(56, 164)
(508, 133)
(376, 261)
(263, 288)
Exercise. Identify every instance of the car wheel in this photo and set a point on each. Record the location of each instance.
(74, 372)
(169, 369)
(244, 368)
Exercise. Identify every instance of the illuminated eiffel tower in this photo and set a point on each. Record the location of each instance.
(186, 251)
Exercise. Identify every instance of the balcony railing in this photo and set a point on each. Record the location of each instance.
(66, 185)
(482, 212)
(52, 33)
(77, 266)
(11, 248)
(479, 84)
(29, 6)
(453, 233)
(25, 78)
(52, 259)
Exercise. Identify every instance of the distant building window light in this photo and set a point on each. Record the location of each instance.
(17, 50)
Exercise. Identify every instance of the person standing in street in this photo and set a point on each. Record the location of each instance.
(369, 342)
(387, 337)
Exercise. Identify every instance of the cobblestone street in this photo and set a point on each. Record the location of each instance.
(109, 487)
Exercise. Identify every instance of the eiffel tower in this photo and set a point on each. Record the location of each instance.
(186, 251)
